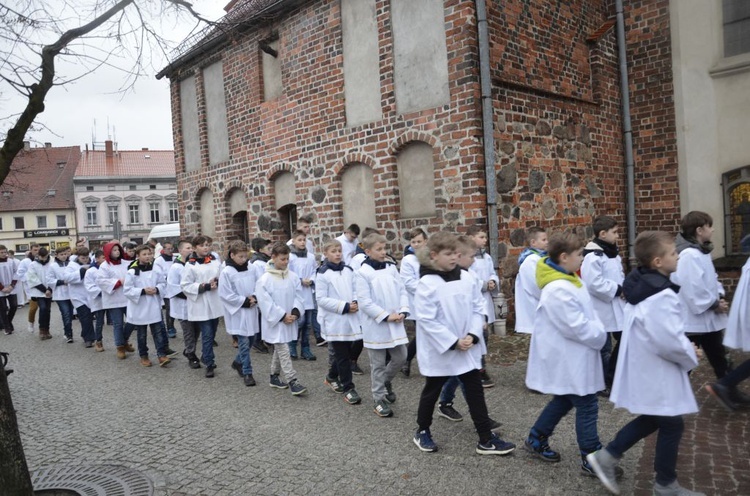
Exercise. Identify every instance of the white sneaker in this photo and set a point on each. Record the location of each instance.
(31, 327)
(674, 489)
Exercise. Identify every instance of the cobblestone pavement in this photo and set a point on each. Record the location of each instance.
(197, 436)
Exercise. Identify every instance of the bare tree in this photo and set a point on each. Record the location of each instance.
(35, 35)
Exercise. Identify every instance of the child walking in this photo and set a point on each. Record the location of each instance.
(564, 358)
(339, 318)
(237, 292)
(450, 317)
(36, 277)
(302, 262)
(384, 303)
(60, 291)
(527, 290)
(178, 306)
(484, 270)
(143, 288)
(653, 345)
(94, 294)
(75, 275)
(8, 301)
(279, 294)
(110, 278)
(261, 255)
(410, 277)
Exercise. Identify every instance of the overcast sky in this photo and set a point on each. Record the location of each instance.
(138, 118)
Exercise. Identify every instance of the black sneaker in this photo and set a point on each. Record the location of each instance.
(390, 396)
(446, 410)
(538, 446)
(722, 394)
(308, 355)
(738, 397)
(210, 371)
(277, 383)
(352, 398)
(249, 380)
(320, 341)
(495, 446)
(193, 361)
(356, 370)
(383, 409)
(172, 353)
(260, 347)
(406, 368)
(238, 367)
(334, 385)
(69, 339)
(423, 440)
(486, 381)
(296, 388)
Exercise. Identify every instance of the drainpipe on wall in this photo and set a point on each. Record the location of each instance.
(489, 150)
(627, 131)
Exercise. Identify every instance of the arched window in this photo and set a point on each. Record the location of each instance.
(416, 180)
(358, 192)
(238, 215)
(736, 185)
(208, 222)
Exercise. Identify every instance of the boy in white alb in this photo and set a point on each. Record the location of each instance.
(409, 272)
(23, 267)
(384, 303)
(654, 345)
(302, 262)
(110, 278)
(144, 286)
(279, 294)
(75, 276)
(60, 292)
(178, 306)
(484, 270)
(36, 277)
(261, 255)
(527, 290)
(8, 301)
(349, 242)
(450, 318)
(94, 294)
(199, 282)
(237, 292)
(603, 274)
(163, 262)
(339, 318)
(564, 359)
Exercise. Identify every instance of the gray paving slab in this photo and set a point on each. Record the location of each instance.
(196, 436)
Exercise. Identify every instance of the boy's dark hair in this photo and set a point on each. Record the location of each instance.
(532, 233)
(603, 223)
(167, 243)
(3, 247)
(182, 243)
(298, 232)
(417, 231)
(34, 245)
(237, 246)
(651, 244)
(373, 239)
(200, 239)
(82, 251)
(258, 244)
(692, 221)
(354, 229)
(142, 247)
(560, 243)
(368, 231)
(305, 219)
(476, 229)
(98, 253)
(280, 248)
(43, 252)
(442, 240)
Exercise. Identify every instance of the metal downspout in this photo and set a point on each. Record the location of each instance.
(627, 131)
(488, 130)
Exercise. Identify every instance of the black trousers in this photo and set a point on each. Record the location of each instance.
(356, 350)
(472, 381)
(713, 346)
(8, 306)
(341, 368)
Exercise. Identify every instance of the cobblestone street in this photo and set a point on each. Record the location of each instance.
(198, 436)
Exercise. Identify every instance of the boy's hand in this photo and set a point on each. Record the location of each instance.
(465, 343)
(353, 307)
(289, 318)
(253, 301)
(214, 283)
(491, 286)
(698, 351)
(306, 282)
(150, 291)
(395, 317)
(723, 306)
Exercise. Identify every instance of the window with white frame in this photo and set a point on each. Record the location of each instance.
(736, 27)
(134, 214)
(62, 221)
(153, 212)
(19, 222)
(91, 217)
(41, 221)
(172, 207)
(113, 214)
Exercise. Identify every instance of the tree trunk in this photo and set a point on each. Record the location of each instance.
(14, 473)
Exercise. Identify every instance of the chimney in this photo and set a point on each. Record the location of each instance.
(145, 149)
(109, 150)
(47, 145)
(27, 145)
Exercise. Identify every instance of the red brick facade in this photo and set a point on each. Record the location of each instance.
(557, 122)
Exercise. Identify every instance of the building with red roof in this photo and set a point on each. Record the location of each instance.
(37, 203)
(123, 194)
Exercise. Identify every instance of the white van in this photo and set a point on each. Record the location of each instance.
(165, 232)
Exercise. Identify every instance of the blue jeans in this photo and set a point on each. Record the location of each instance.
(66, 311)
(157, 333)
(587, 414)
(667, 443)
(122, 330)
(448, 394)
(86, 318)
(100, 316)
(45, 307)
(243, 353)
(208, 333)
